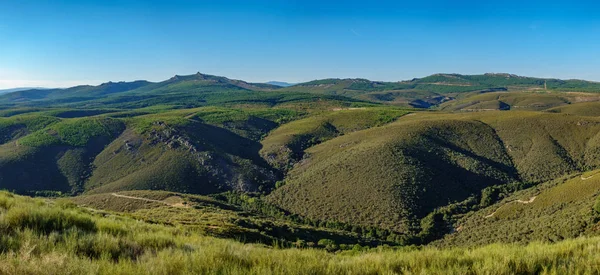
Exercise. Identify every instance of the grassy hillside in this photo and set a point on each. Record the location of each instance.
(189, 150)
(222, 218)
(580, 109)
(77, 93)
(179, 91)
(521, 100)
(50, 237)
(341, 164)
(560, 209)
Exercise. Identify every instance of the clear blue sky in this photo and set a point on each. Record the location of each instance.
(63, 43)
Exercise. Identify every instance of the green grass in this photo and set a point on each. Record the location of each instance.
(55, 157)
(45, 237)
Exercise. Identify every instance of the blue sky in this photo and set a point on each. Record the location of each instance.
(65, 43)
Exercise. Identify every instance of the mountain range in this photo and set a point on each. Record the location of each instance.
(281, 84)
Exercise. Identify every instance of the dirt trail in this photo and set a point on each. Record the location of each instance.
(532, 199)
(587, 178)
(351, 108)
(178, 204)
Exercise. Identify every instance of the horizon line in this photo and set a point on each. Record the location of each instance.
(75, 83)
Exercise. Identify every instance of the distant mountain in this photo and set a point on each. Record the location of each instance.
(5, 91)
(281, 84)
(178, 88)
(77, 93)
(436, 89)
(202, 89)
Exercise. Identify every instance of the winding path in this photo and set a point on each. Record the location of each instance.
(148, 200)
(532, 199)
(587, 178)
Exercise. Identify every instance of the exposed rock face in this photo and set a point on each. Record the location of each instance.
(229, 172)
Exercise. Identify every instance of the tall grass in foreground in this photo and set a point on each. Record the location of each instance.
(41, 237)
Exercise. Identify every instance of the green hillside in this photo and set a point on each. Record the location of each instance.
(396, 175)
(330, 164)
(560, 209)
(580, 109)
(388, 176)
(516, 101)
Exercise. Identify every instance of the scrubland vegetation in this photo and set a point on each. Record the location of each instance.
(447, 174)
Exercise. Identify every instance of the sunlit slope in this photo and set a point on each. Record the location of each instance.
(518, 100)
(553, 211)
(580, 109)
(55, 237)
(390, 175)
(507, 101)
(547, 146)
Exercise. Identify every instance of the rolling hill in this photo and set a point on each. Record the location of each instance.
(399, 163)
(395, 176)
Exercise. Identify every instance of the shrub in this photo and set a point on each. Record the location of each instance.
(108, 247)
(597, 205)
(5, 202)
(279, 183)
(155, 241)
(111, 227)
(329, 244)
(433, 226)
(46, 220)
(65, 204)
